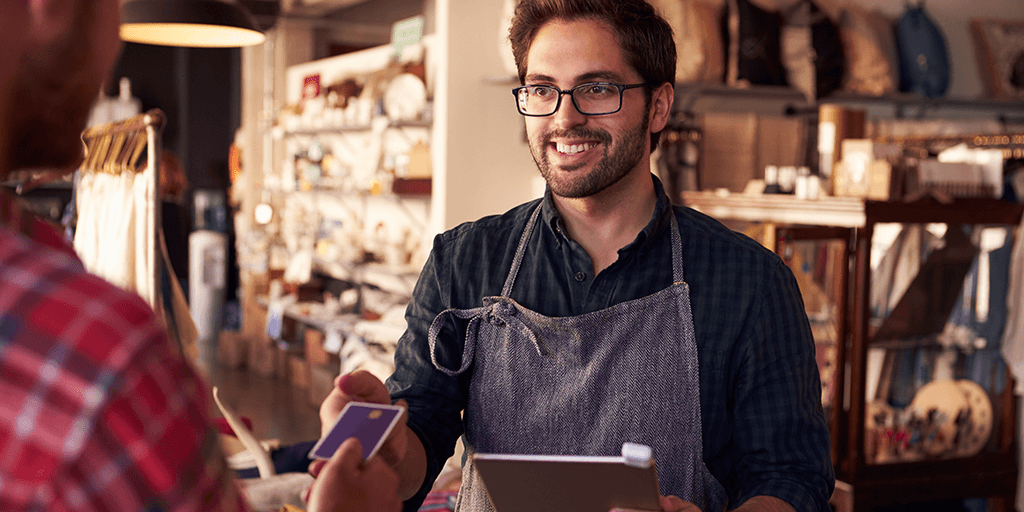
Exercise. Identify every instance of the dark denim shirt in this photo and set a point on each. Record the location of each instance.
(764, 429)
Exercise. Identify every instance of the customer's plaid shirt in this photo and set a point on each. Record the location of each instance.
(97, 410)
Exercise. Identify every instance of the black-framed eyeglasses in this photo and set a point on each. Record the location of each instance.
(593, 99)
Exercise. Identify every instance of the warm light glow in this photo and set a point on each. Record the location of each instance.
(264, 213)
(190, 35)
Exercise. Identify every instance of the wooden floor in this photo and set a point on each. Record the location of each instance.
(277, 409)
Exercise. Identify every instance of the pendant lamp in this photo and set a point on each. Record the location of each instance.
(190, 23)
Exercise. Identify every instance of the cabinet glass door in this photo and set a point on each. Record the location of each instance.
(935, 379)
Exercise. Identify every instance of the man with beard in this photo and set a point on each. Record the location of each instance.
(601, 313)
(100, 412)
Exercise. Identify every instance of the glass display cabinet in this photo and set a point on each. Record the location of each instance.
(907, 305)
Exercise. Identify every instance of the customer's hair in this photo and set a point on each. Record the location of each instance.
(644, 36)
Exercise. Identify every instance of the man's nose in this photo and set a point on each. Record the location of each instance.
(567, 114)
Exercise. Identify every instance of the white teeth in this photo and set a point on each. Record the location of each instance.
(572, 149)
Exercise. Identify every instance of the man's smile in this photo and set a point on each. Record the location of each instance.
(573, 149)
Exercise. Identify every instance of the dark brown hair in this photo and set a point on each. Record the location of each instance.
(644, 36)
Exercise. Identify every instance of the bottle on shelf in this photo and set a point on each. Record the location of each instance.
(771, 180)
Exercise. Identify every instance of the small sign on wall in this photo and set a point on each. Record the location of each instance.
(406, 32)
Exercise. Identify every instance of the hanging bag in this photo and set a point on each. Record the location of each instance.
(921, 48)
(752, 36)
(812, 52)
(829, 59)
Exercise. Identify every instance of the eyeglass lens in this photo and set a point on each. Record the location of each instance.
(590, 99)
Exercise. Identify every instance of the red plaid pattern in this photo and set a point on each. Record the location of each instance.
(98, 412)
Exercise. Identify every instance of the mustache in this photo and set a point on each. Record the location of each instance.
(578, 133)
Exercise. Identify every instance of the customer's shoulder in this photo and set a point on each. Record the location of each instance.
(59, 300)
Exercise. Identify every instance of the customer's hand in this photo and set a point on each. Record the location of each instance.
(363, 386)
(345, 484)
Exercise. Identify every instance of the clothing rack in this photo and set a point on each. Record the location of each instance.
(116, 148)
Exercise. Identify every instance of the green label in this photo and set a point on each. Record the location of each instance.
(406, 32)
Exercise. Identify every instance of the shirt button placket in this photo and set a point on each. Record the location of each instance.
(580, 276)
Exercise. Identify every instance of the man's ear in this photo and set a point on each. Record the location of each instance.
(661, 106)
(50, 19)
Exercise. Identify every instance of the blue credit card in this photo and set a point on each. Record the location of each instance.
(370, 423)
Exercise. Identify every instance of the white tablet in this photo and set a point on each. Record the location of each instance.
(556, 483)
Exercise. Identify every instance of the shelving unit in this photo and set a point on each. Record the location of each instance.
(905, 100)
(710, 97)
(326, 130)
(476, 149)
(358, 228)
(399, 281)
(991, 473)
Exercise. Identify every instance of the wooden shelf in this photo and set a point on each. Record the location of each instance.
(314, 314)
(395, 280)
(411, 186)
(754, 91)
(687, 94)
(779, 209)
(342, 129)
(914, 100)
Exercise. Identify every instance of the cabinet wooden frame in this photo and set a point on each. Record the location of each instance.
(991, 475)
(867, 486)
(790, 234)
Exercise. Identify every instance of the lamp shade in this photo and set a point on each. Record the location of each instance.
(191, 23)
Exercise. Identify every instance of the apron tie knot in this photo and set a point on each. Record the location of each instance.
(497, 311)
(500, 313)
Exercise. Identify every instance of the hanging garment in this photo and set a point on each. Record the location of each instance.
(142, 192)
(116, 261)
(116, 231)
(105, 238)
(585, 384)
(1013, 338)
(85, 227)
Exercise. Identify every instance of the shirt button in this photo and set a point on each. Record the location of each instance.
(580, 276)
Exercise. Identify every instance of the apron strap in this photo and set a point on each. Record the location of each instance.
(677, 250)
(506, 291)
(469, 347)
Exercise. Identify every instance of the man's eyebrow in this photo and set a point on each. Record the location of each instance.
(600, 75)
(538, 78)
(584, 78)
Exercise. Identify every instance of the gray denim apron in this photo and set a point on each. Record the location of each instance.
(584, 385)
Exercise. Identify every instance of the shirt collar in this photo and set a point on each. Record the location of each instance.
(659, 219)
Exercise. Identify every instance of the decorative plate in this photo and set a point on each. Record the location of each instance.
(405, 97)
